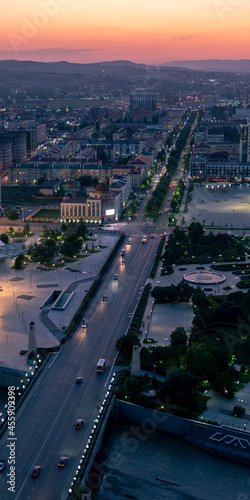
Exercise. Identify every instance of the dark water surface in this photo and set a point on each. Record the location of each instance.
(131, 461)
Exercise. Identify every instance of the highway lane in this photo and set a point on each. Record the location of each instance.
(45, 431)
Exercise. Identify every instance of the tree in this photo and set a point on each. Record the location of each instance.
(196, 232)
(82, 230)
(45, 232)
(224, 383)
(174, 203)
(101, 155)
(178, 381)
(18, 262)
(199, 297)
(178, 337)
(200, 359)
(161, 156)
(44, 253)
(4, 238)
(195, 335)
(132, 388)
(26, 229)
(125, 345)
(88, 180)
(11, 214)
(199, 322)
(169, 257)
(71, 246)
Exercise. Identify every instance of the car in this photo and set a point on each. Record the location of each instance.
(62, 462)
(130, 235)
(104, 298)
(160, 212)
(115, 277)
(122, 262)
(79, 423)
(144, 239)
(2, 465)
(152, 236)
(128, 242)
(78, 380)
(36, 471)
(84, 324)
(23, 351)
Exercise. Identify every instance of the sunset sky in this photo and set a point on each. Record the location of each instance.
(144, 31)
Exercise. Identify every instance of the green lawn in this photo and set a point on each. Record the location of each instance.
(47, 214)
(23, 195)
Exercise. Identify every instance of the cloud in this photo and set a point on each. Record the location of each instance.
(183, 37)
(51, 52)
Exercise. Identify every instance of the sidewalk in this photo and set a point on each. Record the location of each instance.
(220, 409)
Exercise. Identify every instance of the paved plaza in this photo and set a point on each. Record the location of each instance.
(166, 317)
(228, 209)
(24, 291)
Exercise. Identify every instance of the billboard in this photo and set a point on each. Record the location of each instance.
(110, 212)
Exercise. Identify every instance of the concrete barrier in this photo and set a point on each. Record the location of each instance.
(220, 441)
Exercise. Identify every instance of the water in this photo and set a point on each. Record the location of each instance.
(131, 461)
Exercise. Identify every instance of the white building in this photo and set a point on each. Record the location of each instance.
(100, 205)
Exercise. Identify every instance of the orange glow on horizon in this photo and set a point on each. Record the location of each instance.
(141, 31)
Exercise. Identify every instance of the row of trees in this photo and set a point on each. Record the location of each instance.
(180, 293)
(193, 245)
(177, 196)
(158, 195)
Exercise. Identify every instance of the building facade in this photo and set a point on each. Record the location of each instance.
(142, 99)
(200, 168)
(32, 173)
(99, 206)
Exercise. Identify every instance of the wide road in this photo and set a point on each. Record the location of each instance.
(45, 429)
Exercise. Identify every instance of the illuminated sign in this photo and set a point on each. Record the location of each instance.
(110, 212)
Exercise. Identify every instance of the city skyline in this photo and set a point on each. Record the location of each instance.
(53, 30)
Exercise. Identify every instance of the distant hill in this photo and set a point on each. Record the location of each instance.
(227, 65)
(62, 66)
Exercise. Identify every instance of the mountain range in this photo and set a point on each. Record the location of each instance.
(227, 65)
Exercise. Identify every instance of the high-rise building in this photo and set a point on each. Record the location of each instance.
(6, 154)
(18, 141)
(245, 143)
